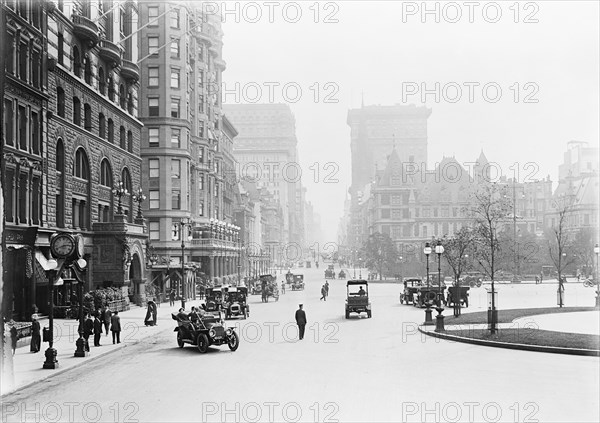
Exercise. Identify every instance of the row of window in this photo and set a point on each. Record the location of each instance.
(23, 197)
(30, 10)
(396, 232)
(105, 127)
(154, 108)
(22, 126)
(23, 60)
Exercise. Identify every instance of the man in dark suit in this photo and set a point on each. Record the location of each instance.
(301, 321)
(88, 329)
(115, 327)
(97, 328)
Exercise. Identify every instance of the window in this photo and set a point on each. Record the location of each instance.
(201, 181)
(105, 174)
(130, 141)
(153, 15)
(200, 208)
(101, 126)
(201, 154)
(35, 68)
(200, 78)
(88, 71)
(10, 54)
(201, 131)
(76, 111)
(123, 140)
(175, 19)
(61, 48)
(122, 97)
(385, 213)
(396, 200)
(130, 103)
(385, 199)
(152, 45)
(424, 231)
(154, 168)
(153, 76)
(174, 78)
(174, 108)
(175, 137)
(8, 122)
(175, 199)
(153, 137)
(23, 200)
(23, 128)
(175, 231)
(154, 196)
(126, 179)
(201, 103)
(111, 88)
(175, 168)
(175, 48)
(35, 133)
(23, 61)
(154, 230)
(76, 62)
(111, 131)
(101, 81)
(87, 116)
(152, 106)
(81, 168)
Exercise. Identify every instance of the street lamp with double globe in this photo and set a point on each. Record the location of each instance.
(439, 324)
(427, 251)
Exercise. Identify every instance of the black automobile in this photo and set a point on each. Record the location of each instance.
(207, 330)
(214, 299)
(235, 304)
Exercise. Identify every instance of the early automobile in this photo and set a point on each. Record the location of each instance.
(289, 277)
(342, 274)
(411, 288)
(214, 298)
(473, 279)
(458, 295)
(330, 272)
(357, 298)
(298, 283)
(207, 330)
(235, 302)
(429, 294)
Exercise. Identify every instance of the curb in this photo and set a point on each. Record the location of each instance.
(81, 363)
(523, 347)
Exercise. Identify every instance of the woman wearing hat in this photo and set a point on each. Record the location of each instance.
(36, 339)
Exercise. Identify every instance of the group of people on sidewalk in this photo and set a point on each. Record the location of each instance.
(103, 318)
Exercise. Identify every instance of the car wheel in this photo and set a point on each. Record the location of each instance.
(180, 340)
(233, 342)
(202, 343)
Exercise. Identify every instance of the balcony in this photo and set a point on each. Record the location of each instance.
(130, 71)
(110, 52)
(214, 243)
(85, 29)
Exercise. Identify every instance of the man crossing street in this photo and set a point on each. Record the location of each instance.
(300, 321)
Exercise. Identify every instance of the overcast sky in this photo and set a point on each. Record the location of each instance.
(547, 72)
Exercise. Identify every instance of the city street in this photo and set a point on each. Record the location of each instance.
(378, 369)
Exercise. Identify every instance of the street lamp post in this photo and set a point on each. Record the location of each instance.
(354, 262)
(400, 275)
(597, 251)
(428, 318)
(120, 191)
(139, 198)
(360, 267)
(439, 323)
(183, 225)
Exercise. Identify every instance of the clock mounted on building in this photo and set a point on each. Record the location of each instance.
(62, 245)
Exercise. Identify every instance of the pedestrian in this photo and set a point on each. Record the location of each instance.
(36, 338)
(541, 277)
(97, 328)
(537, 279)
(323, 294)
(115, 327)
(282, 287)
(300, 321)
(88, 329)
(326, 289)
(14, 336)
(107, 318)
(172, 297)
(150, 315)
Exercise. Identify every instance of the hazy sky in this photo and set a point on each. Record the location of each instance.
(547, 72)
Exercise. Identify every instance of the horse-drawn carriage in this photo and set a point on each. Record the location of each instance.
(269, 288)
(289, 277)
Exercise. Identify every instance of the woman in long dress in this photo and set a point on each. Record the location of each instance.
(36, 339)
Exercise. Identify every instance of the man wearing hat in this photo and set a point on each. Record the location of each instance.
(301, 321)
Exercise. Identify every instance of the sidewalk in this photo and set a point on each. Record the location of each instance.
(28, 366)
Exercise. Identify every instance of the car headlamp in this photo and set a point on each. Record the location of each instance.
(212, 333)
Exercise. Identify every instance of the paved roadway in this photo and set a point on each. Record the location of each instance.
(378, 369)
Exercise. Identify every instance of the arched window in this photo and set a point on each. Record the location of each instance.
(111, 131)
(111, 88)
(101, 126)
(82, 167)
(122, 97)
(106, 174)
(76, 62)
(76, 111)
(88, 70)
(130, 141)
(87, 115)
(123, 140)
(60, 156)
(130, 103)
(126, 179)
(60, 100)
(101, 81)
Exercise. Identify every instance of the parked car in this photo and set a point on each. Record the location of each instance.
(357, 298)
(208, 330)
(411, 288)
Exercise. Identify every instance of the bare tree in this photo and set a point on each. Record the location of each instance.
(560, 240)
(456, 249)
(489, 211)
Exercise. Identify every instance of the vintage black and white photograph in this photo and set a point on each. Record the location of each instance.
(299, 211)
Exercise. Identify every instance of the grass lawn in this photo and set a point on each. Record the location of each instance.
(507, 316)
(531, 336)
